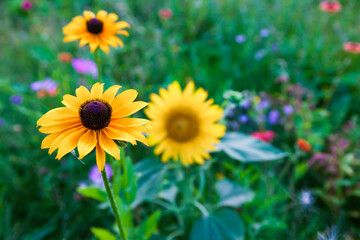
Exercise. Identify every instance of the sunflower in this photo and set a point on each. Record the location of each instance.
(93, 120)
(184, 124)
(96, 30)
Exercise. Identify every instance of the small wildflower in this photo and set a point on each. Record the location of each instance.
(26, 5)
(274, 116)
(219, 176)
(263, 104)
(64, 57)
(244, 118)
(260, 54)
(306, 199)
(85, 66)
(246, 104)
(304, 145)
(330, 7)
(17, 128)
(284, 78)
(257, 99)
(329, 234)
(45, 87)
(288, 109)
(166, 13)
(274, 47)
(233, 125)
(352, 47)
(264, 33)
(175, 48)
(95, 176)
(266, 136)
(16, 99)
(240, 38)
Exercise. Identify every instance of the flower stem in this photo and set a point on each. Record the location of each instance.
(113, 204)
(98, 63)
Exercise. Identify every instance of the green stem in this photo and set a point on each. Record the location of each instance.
(113, 204)
(98, 63)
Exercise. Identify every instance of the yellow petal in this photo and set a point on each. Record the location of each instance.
(97, 91)
(123, 99)
(130, 122)
(110, 93)
(88, 15)
(57, 127)
(100, 157)
(71, 102)
(101, 15)
(109, 145)
(129, 109)
(119, 135)
(83, 94)
(69, 143)
(87, 142)
(112, 17)
(48, 140)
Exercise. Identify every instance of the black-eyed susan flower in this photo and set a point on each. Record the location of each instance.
(184, 124)
(92, 120)
(98, 30)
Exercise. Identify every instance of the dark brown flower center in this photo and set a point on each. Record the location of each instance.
(182, 125)
(94, 26)
(95, 114)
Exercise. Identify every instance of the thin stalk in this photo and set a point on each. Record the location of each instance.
(98, 64)
(113, 204)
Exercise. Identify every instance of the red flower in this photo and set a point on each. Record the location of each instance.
(64, 57)
(266, 136)
(352, 47)
(304, 145)
(165, 13)
(330, 7)
(26, 5)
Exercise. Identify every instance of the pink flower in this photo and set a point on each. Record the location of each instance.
(26, 5)
(266, 136)
(352, 47)
(330, 7)
(165, 13)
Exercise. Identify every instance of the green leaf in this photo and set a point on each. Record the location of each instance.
(148, 227)
(102, 234)
(223, 224)
(94, 193)
(151, 173)
(245, 148)
(231, 194)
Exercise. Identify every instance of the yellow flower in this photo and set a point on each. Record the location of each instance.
(96, 30)
(93, 120)
(184, 124)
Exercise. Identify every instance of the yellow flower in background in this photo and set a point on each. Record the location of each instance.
(98, 30)
(184, 124)
(93, 120)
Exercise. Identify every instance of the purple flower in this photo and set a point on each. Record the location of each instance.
(85, 66)
(288, 109)
(264, 33)
(260, 54)
(234, 125)
(306, 198)
(244, 118)
(95, 175)
(274, 47)
(17, 99)
(240, 38)
(1, 121)
(246, 104)
(48, 84)
(261, 118)
(263, 104)
(274, 116)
